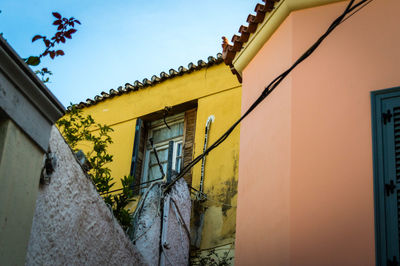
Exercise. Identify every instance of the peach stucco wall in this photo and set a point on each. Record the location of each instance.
(305, 168)
(264, 176)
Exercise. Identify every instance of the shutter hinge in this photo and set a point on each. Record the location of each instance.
(389, 188)
(393, 262)
(387, 117)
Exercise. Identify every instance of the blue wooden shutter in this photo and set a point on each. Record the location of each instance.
(386, 134)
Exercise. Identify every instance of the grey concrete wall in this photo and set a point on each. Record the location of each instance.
(72, 225)
(20, 165)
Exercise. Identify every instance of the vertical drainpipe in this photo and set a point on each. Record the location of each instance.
(198, 206)
(210, 119)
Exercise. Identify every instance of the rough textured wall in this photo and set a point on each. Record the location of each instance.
(178, 227)
(148, 225)
(72, 225)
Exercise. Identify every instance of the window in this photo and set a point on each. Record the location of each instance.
(386, 152)
(144, 166)
(161, 135)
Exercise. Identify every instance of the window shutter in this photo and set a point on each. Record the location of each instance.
(137, 155)
(386, 126)
(188, 138)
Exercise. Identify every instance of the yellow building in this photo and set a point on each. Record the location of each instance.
(176, 106)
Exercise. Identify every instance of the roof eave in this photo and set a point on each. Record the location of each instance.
(270, 23)
(29, 84)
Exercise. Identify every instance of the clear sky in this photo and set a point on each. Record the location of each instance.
(121, 41)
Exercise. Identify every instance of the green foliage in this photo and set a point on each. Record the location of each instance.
(33, 60)
(42, 73)
(212, 258)
(79, 129)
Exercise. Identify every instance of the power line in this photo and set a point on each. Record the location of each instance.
(271, 87)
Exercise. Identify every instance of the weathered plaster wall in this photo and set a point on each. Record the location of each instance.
(72, 225)
(122, 111)
(221, 167)
(218, 93)
(177, 235)
(148, 225)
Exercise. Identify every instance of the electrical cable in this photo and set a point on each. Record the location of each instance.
(140, 207)
(270, 88)
(207, 197)
(355, 11)
(183, 223)
(133, 186)
(215, 247)
(180, 231)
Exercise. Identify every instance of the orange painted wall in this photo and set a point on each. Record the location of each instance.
(305, 171)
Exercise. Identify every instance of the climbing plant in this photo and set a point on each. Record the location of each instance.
(212, 258)
(81, 130)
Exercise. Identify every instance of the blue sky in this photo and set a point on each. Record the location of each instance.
(121, 41)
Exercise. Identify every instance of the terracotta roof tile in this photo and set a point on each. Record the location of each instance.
(137, 85)
(182, 70)
(229, 50)
(164, 75)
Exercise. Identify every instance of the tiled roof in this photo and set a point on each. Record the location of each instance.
(137, 85)
(230, 50)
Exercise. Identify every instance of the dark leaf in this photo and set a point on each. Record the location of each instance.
(71, 31)
(44, 69)
(57, 15)
(59, 52)
(45, 53)
(77, 21)
(52, 54)
(46, 42)
(62, 39)
(67, 35)
(60, 27)
(33, 61)
(37, 37)
(57, 22)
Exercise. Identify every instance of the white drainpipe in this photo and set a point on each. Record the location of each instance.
(210, 119)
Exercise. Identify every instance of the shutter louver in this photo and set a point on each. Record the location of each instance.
(396, 191)
(189, 134)
(137, 155)
(386, 129)
(391, 136)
